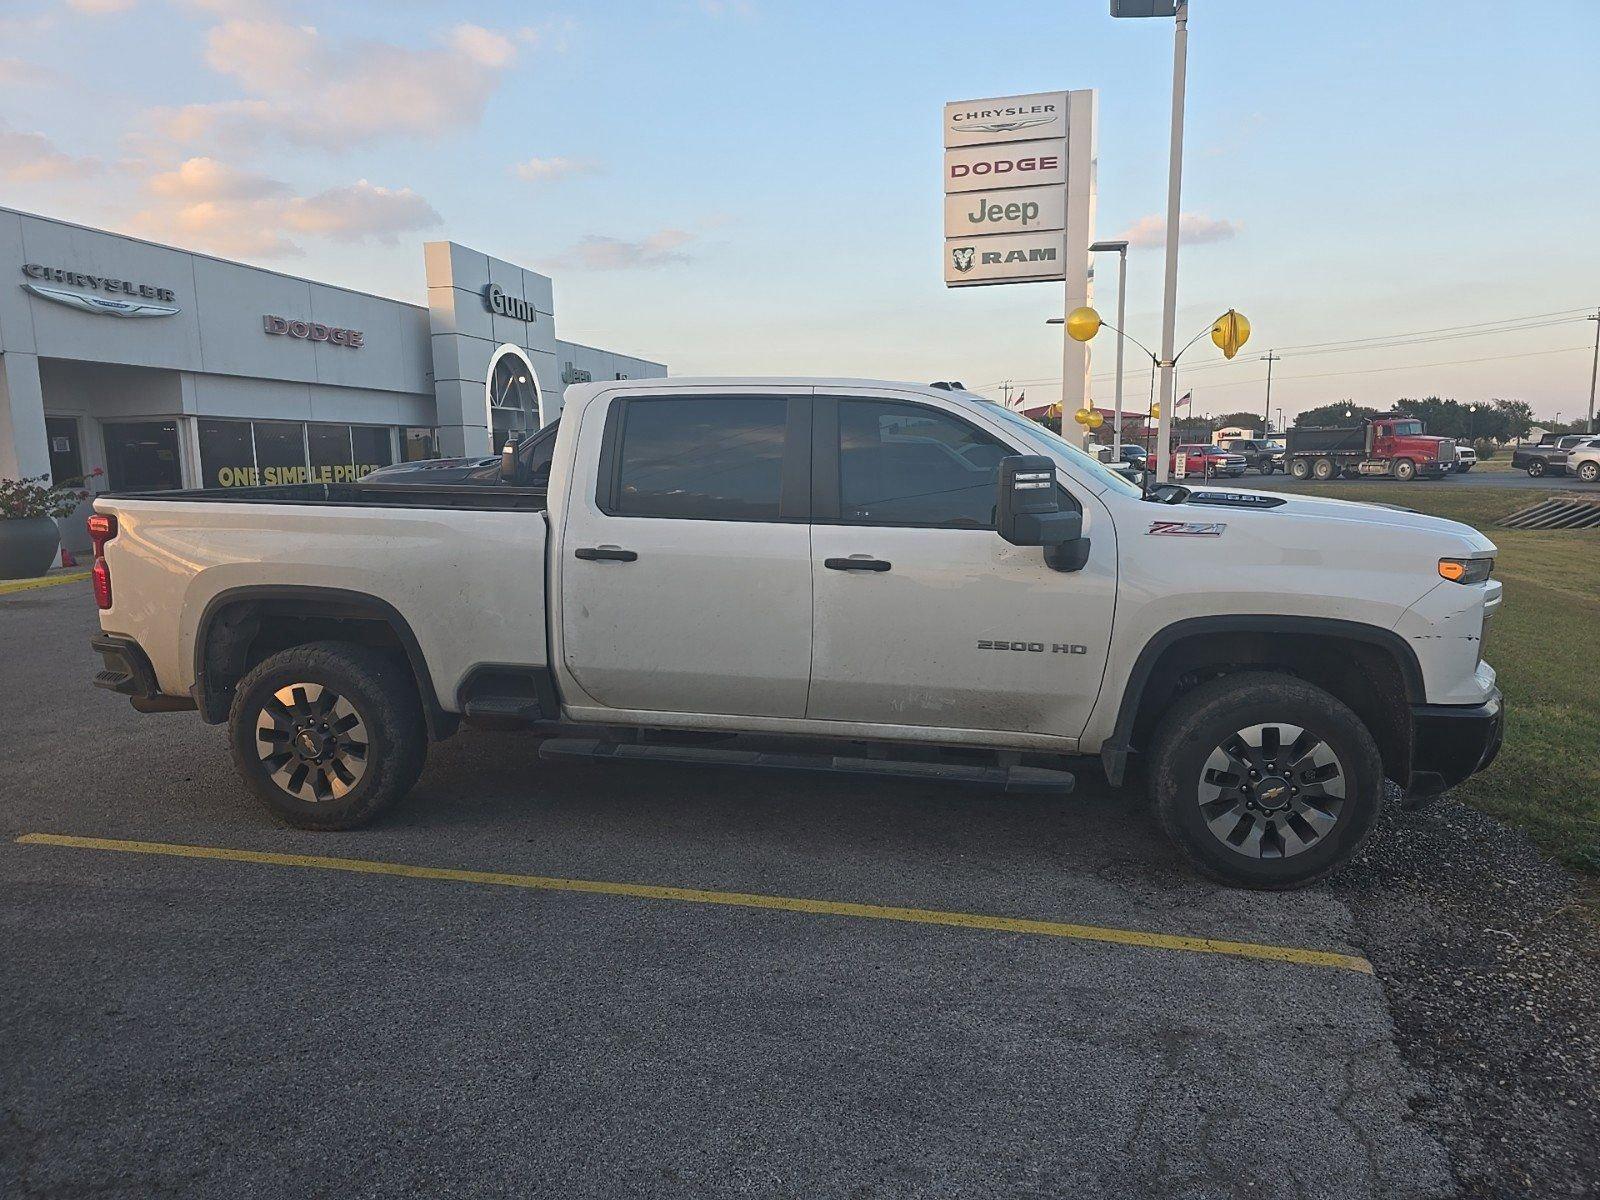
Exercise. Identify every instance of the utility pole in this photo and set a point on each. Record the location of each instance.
(1005, 391)
(1269, 358)
(1594, 369)
(1169, 306)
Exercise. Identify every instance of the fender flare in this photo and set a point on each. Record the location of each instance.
(1116, 749)
(341, 602)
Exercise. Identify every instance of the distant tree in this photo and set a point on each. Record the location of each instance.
(1334, 414)
(1517, 416)
(1246, 420)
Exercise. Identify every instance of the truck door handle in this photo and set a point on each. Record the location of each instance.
(855, 564)
(604, 554)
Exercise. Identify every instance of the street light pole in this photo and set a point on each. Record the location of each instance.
(1121, 249)
(1594, 369)
(1169, 304)
(1269, 358)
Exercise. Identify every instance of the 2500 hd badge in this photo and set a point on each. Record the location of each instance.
(1033, 647)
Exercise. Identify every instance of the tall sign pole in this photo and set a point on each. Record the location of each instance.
(1169, 306)
(1019, 202)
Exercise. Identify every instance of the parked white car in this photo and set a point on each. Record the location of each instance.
(1584, 460)
(1466, 457)
(827, 574)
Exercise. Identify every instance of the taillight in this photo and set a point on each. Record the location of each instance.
(102, 528)
(102, 583)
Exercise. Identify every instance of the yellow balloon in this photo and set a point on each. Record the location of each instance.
(1095, 419)
(1082, 324)
(1230, 332)
(1081, 416)
(1053, 412)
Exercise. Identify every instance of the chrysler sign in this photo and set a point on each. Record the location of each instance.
(1006, 119)
(142, 299)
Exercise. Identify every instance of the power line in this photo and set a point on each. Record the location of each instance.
(1361, 371)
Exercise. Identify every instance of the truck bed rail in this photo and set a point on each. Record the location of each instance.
(356, 495)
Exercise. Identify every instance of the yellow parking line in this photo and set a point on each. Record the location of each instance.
(640, 891)
(22, 585)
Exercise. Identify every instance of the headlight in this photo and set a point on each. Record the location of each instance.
(1465, 570)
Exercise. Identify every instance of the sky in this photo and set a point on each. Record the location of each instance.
(753, 187)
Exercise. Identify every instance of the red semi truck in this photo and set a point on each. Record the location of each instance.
(1390, 444)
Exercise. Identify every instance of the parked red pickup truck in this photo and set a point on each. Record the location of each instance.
(1207, 461)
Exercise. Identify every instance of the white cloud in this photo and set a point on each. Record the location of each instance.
(1193, 229)
(313, 90)
(206, 178)
(360, 211)
(542, 170)
(659, 249)
(33, 158)
(208, 205)
(17, 72)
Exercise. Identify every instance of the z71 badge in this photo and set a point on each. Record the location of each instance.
(1187, 528)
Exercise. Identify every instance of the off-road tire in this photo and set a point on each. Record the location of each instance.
(1204, 719)
(383, 695)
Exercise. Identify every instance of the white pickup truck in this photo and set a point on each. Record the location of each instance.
(822, 574)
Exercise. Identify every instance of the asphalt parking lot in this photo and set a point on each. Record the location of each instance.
(265, 1024)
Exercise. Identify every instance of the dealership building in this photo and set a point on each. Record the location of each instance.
(169, 369)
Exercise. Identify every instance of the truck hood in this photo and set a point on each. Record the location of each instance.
(1376, 517)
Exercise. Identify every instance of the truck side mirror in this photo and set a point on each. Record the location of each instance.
(508, 459)
(1029, 512)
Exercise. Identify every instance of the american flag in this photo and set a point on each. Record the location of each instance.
(1184, 399)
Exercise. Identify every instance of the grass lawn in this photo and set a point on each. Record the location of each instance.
(1547, 778)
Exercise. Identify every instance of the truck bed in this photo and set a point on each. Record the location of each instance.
(1330, 441)
(473, 497)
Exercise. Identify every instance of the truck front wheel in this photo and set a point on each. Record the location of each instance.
(1265, 781)
(328, 735)
(1405, 470)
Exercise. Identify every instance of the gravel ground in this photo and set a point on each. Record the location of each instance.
(1492, 969)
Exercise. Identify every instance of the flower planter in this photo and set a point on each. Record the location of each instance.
(27, 547)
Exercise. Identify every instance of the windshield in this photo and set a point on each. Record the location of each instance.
(1084, 462)
(1407, 428)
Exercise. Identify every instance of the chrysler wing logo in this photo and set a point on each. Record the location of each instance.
(1003, 126)
(962, 258)
(101, 305)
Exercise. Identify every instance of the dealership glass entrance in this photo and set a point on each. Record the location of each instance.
(142, 456)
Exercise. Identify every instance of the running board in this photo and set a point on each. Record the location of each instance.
(1010, 779)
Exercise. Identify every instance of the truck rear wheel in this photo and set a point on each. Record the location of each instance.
(1325, 469)
(1405, 470)
(328, 735)
(1265, 781)
(1536, 467)
(1299, 468)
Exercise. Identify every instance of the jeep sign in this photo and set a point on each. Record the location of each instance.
(1013, 210)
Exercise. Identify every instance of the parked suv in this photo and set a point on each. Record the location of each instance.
(1584, 460)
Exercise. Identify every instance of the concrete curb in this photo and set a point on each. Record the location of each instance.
(22, 585)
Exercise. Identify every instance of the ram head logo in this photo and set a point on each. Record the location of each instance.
(962, 258)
